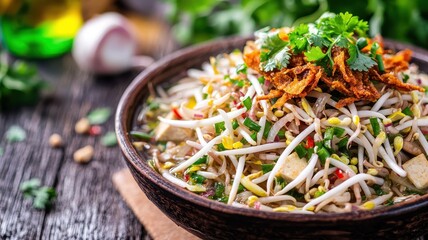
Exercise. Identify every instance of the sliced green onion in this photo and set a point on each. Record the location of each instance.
(310, 152)
(361, 43)
(220, 147)
(268, 126)
(261, 80)
(154, 105)
(323, 154)
(380, 63)
(202, 160)
(248, 103)
(141, 135)
(218, 190)
(407, 111)
(301, 150)
(254, 136)
(375, 126)
(343, 143)
(196, 178)
(235, 124)
(205, 96)
(219, 127)
(405, 77)
(241, 188)
(281, 134)
(251, 124)
(267, 167)
(333, 131)
(241, 68)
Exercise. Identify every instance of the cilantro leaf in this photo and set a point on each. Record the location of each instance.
(315, 54)
(298, 39)
(41, 196)
(15, 134)
(274, 52)
(359, 61)
(99, 115)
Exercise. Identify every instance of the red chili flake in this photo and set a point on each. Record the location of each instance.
(186, 177)
(339, 173)
(310, 143)
(177, 114)
(95, 130)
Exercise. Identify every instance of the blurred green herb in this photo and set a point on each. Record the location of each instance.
(99, 115)
(20, 83)
(1, 151)
(41, 196)
(15, 134)
(109, 139)
(195, 21)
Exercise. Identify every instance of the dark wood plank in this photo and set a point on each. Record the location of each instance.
(87, 205)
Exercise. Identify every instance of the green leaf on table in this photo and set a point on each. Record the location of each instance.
(1, 151)
(41, 196)
(99, 115)
(109, 139)
(15, 134)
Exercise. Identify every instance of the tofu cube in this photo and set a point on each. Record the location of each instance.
(166, 132)
(417, 171)
(292, 167)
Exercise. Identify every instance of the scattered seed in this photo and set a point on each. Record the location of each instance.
(55, 140)
(82, 126)
(84, 154)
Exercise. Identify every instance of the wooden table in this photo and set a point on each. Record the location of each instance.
(87, 206)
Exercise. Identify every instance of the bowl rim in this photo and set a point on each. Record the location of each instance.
(124, 114)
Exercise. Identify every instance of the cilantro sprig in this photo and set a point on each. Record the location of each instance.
(316, 41)
(41, 196)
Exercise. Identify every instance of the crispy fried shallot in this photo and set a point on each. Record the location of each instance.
(300, 77)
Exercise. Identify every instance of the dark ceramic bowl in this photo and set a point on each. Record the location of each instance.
(213, 220)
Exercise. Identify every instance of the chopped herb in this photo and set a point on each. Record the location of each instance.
(235, 124)
(251, 124)
(275, 53)
(318, 193)
(241, 68)
(268, 126)
(301, 150)
(99, 116)
(362, 43)
(109, 139)
(310, 152)
(254, 136)
(261, 80)
(267, 168)
(219, 127)
(196, 178)
(154, 105)
(141, 135)
(1, 151)
(390, 202)
(237, 82)
(407, 111)
(204, 95)
(281, 134)
(20, 83)
(375, 126)
(218, 190)
(380, 64)
(220, 147)
(333, 131)
(343, 143)
(323, 154)
(279, 181)
(41, 196)
(378, 190)
(202, 160)
(405, 77)
(241, 188)
(248, 103)
(15, 134)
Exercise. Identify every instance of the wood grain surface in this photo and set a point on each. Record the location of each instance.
(87, 206)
